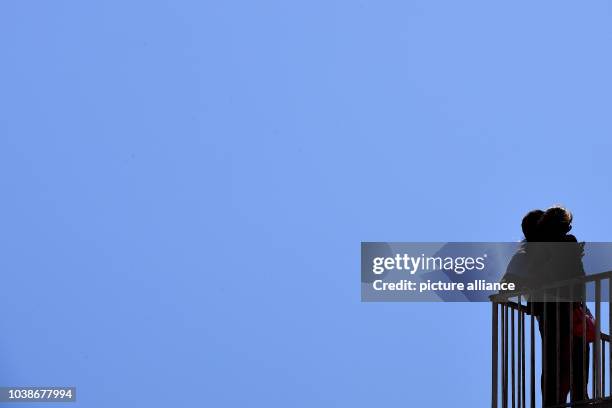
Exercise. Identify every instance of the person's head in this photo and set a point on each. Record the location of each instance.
(556, 221)
(530, 224)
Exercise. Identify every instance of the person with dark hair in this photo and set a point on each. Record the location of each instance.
(556, 223)
(547, 255)
(530, 224)
(563, 261)
(520, 270)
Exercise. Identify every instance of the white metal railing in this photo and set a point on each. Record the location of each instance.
(513, 341)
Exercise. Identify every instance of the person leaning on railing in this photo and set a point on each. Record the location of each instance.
(550, 254)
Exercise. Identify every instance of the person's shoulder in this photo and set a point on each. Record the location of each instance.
(573, 243)
(518, 263)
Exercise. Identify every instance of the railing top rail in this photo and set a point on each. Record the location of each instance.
(504, 297)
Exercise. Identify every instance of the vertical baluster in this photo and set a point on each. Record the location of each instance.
(571, 343)
(518, 356)
(603, 368)
(520, 349)
(505, 357)
(610, 333)
(524, 389)
(532, 359)
(597, 344)
(503, 354)
(494, 355)
(594, 370)
(512, 372)
(545, 348)
(585, 369)
(557, 348)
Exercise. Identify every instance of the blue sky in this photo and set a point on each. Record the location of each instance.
(186, 185)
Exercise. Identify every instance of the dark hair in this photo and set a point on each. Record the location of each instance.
(530, 224)
(556, 221)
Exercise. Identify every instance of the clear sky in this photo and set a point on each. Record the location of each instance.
(185, 186)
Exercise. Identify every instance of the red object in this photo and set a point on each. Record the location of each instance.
(583, 314)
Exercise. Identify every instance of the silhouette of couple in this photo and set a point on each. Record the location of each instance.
(548, 255)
